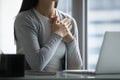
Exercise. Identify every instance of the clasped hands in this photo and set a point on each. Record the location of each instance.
(62, 28)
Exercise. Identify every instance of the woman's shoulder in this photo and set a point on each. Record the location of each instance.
(63, 14)
(66, 15)
(29, 14)
(26, 18)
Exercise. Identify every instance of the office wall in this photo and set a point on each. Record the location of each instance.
(8, 11)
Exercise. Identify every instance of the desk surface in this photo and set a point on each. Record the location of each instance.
(65, 76)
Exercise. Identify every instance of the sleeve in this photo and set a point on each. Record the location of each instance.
(26, 35)
(74, 60)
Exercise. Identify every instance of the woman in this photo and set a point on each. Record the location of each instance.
(47, 36)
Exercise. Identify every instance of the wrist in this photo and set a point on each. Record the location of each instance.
(68, 38)
(58, 33)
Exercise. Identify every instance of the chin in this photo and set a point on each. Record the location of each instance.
(54, 0)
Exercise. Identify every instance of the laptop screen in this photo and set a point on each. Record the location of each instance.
(109, 57)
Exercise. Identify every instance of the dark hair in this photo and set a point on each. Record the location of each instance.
(28, 4)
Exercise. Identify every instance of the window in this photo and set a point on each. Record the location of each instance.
(103, 15)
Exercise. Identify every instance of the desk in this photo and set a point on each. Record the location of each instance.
(65, 76)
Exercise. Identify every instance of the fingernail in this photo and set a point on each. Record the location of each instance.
(57, 21)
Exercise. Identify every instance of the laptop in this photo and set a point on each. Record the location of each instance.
(109, 57)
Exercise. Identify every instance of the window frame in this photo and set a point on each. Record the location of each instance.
(81, 11)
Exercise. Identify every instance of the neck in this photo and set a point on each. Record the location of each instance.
(47, 10)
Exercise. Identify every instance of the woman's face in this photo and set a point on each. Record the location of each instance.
(47, 1)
